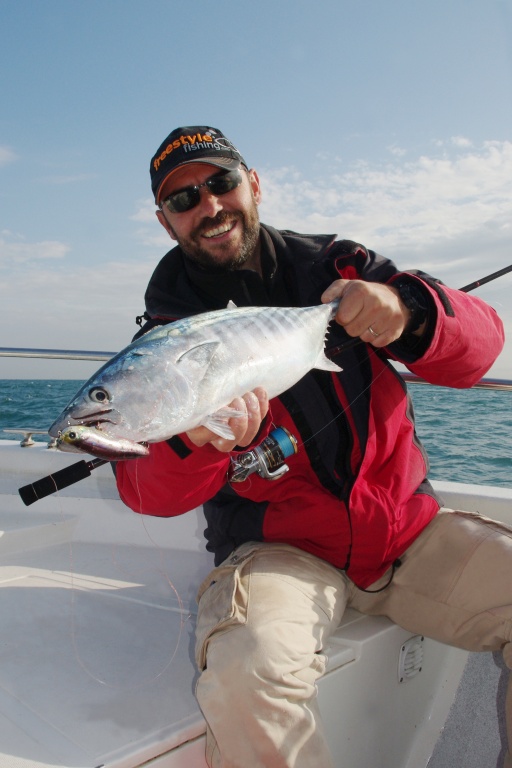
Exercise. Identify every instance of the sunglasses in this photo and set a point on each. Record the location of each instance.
(187, 198)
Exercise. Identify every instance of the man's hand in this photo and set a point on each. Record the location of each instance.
(254, 407)
(372, 311)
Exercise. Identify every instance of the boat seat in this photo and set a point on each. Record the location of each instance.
(21, 531)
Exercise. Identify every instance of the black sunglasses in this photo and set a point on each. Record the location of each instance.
(187, 198)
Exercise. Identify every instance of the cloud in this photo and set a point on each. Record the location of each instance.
(459, 198)
(461, 141)
(6, 156)
(153, 238)
(152, 235)
(448, 212)
(70, 306)
(14, 249)
(145, 211)
(443, 210)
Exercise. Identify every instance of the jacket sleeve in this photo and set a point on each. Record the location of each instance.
(166, 483)
(177, 476)
(464, 337)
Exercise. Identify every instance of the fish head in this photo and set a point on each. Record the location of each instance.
(129, 397)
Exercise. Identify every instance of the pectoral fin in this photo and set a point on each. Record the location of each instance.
(218, 422)
(198, 358)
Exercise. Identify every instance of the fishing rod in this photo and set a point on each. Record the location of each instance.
(267, 461)
(484, 280)
(58, 480)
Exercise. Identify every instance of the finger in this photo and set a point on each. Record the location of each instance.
(253, 407)
(201, 435)
(374, 337)
(246, 427)
(262, 396)
(237, 424)
(351, 309)
(252, 422)
(372, 311)
(381, 338)
(334, 291)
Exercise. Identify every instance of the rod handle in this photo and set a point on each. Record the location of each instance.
(58, 480)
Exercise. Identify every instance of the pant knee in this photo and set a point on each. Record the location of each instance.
(246, 657)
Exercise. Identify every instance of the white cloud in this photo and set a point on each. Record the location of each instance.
(461, 141)
(155, 237)
(6, 156)
(397, 151)
(403, 207)
(145, 210)
(448, 213)
(14, 249)
(72, 306)
(151, 234)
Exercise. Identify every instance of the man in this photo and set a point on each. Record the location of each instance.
(354, 521)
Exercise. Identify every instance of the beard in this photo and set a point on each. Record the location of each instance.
(224, 259)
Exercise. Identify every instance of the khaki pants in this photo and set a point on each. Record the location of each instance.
(266, 613)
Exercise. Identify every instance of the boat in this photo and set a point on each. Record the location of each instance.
(96, 646)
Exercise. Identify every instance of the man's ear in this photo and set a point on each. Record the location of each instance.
(254, 181)
(165, 224)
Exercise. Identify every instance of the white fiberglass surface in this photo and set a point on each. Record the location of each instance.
(96, 646)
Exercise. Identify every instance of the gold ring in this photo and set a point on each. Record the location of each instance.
(373, 333)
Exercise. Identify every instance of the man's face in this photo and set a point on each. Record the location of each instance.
(221, 231)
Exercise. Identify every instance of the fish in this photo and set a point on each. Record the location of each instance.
(80, 439)
(184, 374)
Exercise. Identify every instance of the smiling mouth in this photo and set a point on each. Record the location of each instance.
(220, 230)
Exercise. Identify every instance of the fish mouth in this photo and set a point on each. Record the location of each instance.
(76, 419)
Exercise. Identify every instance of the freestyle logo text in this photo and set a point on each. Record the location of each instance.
(185, 141)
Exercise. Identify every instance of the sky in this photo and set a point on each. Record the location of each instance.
(388, 123)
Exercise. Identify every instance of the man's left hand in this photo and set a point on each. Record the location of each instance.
(372, 311)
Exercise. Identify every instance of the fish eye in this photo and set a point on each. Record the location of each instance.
(72, 435)
(99, 395)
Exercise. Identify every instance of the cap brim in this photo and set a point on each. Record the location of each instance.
(227, 163)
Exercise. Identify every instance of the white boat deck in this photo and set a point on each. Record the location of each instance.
(96, 645)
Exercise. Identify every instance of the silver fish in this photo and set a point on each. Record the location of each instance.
(80, 439)
(182, 375)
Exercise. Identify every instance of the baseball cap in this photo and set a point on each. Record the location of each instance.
(192, 144)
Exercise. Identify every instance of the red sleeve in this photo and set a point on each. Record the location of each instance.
(467, 337)
(166, 484)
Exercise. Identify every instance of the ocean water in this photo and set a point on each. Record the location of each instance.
(467, 433)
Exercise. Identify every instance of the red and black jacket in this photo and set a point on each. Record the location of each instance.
(356, 494)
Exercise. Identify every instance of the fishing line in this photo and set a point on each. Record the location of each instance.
(75, 630)
(268, 458)
(372, 352)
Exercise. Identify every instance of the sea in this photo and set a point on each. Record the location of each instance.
(467, 433)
